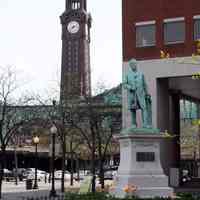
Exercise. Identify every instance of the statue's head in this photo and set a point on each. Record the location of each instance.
(133, 64)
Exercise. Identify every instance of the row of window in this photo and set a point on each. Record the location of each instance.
(174, 31)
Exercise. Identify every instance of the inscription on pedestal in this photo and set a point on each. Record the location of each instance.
(146, 144)
(145, 156)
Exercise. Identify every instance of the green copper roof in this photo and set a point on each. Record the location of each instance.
(112, 96)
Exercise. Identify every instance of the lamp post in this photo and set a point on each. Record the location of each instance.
(36, 141)
(16, 165)
(53, 131)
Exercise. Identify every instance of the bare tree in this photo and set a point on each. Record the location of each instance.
(97, 128)
(12, 115)
(84, 122)
(63, 116)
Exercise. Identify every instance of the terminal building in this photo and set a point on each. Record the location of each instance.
(75, 84)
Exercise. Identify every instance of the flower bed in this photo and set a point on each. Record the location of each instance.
(104, 196)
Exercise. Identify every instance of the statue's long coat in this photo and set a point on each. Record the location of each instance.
(136, 87)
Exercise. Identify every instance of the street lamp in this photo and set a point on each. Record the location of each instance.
(36, 141)
(53, 131)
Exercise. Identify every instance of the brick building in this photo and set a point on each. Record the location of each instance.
(149, 27)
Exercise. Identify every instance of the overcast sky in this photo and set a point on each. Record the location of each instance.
(30, 40)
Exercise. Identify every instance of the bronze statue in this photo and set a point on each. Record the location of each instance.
(138, 97)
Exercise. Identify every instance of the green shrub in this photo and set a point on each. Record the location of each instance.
(189, 196)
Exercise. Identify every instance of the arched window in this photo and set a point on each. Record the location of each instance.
(75, 5)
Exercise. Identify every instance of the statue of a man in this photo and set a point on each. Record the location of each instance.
(138, 97)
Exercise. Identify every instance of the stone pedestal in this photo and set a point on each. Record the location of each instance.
(140, 166)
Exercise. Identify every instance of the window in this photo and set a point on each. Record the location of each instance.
(174, 30)
(75, 5)
(196, 29)
(145, 34)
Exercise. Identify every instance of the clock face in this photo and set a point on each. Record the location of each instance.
(73, 27)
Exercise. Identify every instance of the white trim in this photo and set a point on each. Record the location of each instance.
(175, 42)
(145, 23)
(196, 17)
(174, 19)
(146, 45)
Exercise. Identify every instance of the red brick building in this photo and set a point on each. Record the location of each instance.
(160, 24)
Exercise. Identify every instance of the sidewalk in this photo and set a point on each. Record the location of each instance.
(21, 187)
(10, 191)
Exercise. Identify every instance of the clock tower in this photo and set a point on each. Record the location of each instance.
(75, 66)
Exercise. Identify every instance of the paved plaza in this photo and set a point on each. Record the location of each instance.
(11, 191)
(18, 192)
